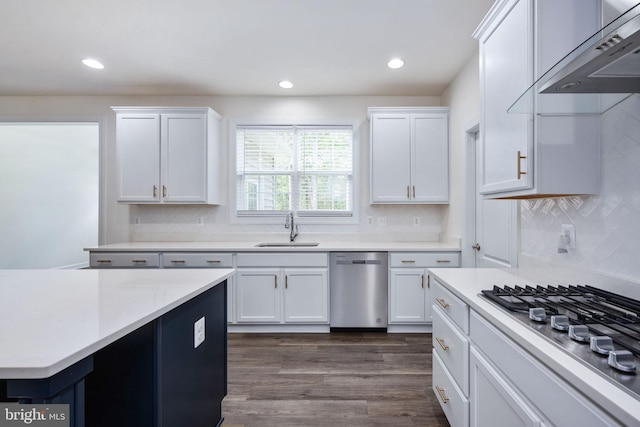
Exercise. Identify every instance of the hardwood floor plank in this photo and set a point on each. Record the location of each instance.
(338, 379)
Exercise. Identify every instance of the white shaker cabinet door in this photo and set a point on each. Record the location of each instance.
(390, 158)
(407, 295)
(506, 70)
(258, 296)
(138, 139)
(184, 158)
(306, 295)
(430, 158)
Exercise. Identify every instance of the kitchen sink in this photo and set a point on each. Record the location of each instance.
(286, 245)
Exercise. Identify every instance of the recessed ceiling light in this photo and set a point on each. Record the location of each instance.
(93, 63)
(285, 84)
(395, 63)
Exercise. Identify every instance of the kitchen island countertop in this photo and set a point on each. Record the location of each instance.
(51, 319)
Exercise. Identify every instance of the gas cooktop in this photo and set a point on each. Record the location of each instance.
(600, 328)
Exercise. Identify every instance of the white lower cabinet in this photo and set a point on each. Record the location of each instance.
(494, 402)
(268, 291)
(257, 295)
(410, 284)
(451, 355)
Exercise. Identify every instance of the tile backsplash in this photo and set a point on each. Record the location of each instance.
(607, 225)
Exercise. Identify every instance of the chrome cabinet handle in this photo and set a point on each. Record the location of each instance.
(442, 344)
(178, 261)
(164, 191)
(422, 281)
(442, 303)
(103, 261)
(155, 191)
(138, 261)
(286, 281)
(408, 261)
(214, 261)
(408, 192)
(443, 396)
(275, 277)
(443, 260)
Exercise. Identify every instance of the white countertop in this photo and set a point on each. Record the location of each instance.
(250, 246)
(467, 283)
(51, 319)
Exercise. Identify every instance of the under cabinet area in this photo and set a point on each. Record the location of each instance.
(410, 287)
(525, 154)
(409, 155)
(168, 155)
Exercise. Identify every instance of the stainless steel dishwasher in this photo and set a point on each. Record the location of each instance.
(358, 283)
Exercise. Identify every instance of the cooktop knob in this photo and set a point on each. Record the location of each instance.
(561, 323)
(602, 345)
(579, 333)
(622, 360)
(538, 314)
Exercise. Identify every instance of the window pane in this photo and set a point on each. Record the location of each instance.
(325, 192)
(264, 150)
(264, 193)
(325, 149)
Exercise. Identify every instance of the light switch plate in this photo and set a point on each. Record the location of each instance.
(198, 332)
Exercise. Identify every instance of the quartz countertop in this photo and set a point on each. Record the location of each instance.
(51, 319)
(467, 283)
(250, 246)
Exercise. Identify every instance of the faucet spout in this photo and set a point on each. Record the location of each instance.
(293, 233)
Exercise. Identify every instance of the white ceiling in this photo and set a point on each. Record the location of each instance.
(235, 47)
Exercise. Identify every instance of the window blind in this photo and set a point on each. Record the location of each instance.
(305, 169)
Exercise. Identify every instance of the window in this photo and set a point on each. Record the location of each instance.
(307, 169)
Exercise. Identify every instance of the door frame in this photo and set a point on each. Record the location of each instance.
(469, 217)
(468, 254)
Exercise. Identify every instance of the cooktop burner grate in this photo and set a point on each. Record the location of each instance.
(603, 312)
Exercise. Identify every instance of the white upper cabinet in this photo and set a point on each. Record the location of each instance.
(168, 155)
(533, 155)
(409, 150)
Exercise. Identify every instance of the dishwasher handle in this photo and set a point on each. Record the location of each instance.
(359, 261)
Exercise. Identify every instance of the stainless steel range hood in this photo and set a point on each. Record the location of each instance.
(596, 75)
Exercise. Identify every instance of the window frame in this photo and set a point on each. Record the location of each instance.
(304, 218)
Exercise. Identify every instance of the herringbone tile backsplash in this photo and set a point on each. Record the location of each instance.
(607, 225)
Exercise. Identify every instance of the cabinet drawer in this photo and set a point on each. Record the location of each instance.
(453, 348)
(455, 309)
(424, 259)
(282, 259)
(120, 260)
(196, 260)
(454, 404)
(554, 397)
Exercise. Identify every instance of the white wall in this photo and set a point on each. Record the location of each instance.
(179, 223)
(463, 95)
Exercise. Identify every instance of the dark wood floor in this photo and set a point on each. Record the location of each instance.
(337, 379)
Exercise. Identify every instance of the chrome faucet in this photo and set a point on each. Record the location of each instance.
(290, 225)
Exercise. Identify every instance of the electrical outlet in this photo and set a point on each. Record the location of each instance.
(382, 221)
(198, 332)
(416, 221)
(369, 220)
(200, 220)
(136, 220)
(569, 232)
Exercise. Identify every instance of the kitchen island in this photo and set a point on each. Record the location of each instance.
(121, 347)
(487, 363)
